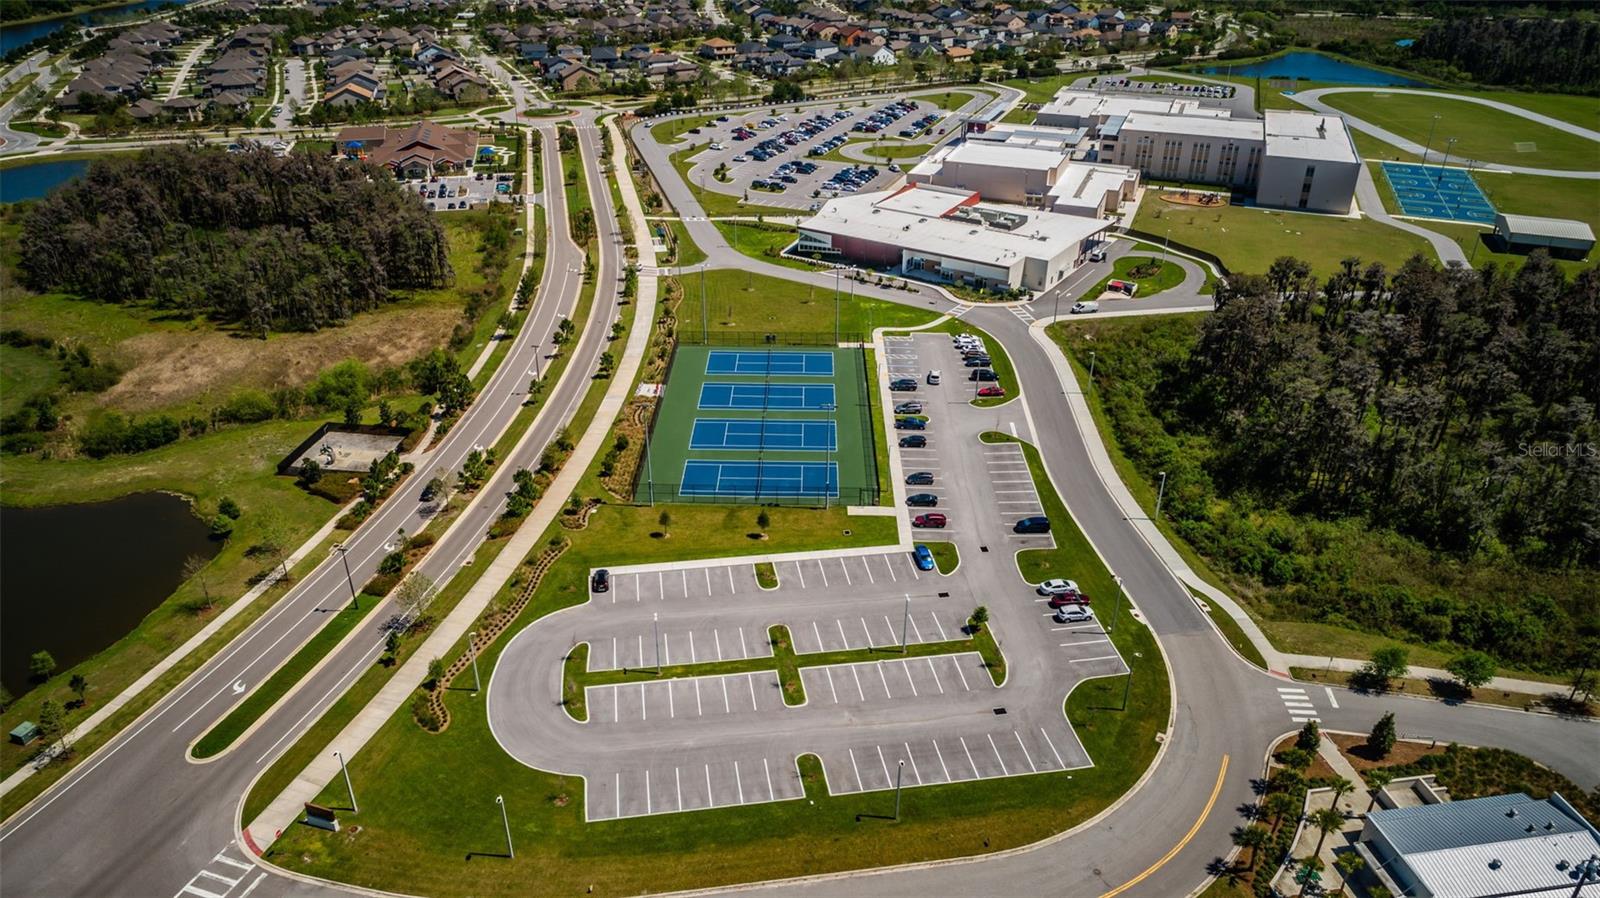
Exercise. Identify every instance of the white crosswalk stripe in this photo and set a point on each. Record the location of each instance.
(1298, 703)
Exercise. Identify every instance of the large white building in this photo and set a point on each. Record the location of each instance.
(1074, 108)
(946, 234)
(1030, 170)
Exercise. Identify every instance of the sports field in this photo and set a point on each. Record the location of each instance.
(763, 423)
(1433, 191)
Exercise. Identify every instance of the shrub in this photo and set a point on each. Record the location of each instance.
(248, 407)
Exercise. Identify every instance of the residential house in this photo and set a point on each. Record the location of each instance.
(420, 151)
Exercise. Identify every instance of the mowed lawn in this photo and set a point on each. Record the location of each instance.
(1247, 239)
(1480, 132)
(428, 808)
(742, 301)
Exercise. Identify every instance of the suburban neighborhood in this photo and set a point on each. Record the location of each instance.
(493, 447)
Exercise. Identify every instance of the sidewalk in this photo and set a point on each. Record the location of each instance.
(285, 809)
(1277, 662)
(1351, 665)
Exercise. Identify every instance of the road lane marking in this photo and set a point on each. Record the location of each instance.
(1331, 700)
(1204, 812)
(223, 857)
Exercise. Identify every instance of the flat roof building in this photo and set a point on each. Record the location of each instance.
(1074, 108)
(1029, 169)
(949, 235)
(1310, 163)
(1497, 845)
(1561, 236)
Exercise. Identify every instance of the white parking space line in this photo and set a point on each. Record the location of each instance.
(744, 648)
(831, 688)
(963, 677)
(942, 637)
(853, 766)
(971, 763)
(940, 755)
(699, 706)
(647, 799)
(1052, 744)
(727, 706)
(881, 760)
(771, 795)
(801, 574)
(823, 573)
(997, 757)
(751, 680)
(692, 658)
(1025, 752)
(907, 671)
(859, 691)
(716, 635)
(711, 797)
(935, 671)
(677, 777)
(885, 678)
(738, 781)
(1096, 658)
(913, 759)
(818, 631)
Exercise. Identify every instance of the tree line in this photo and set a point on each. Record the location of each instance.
(268, 243)
(1413, 453)
(1536, 53)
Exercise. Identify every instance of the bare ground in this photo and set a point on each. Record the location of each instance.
(171, 368)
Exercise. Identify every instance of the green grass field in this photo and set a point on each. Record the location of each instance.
(743, 301)
(1479, 132)
(670, 445)
(763, 241)
(1247, 239)
(1165, 276)
(25, 372)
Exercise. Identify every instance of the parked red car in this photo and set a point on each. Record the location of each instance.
(992, 391)
(1069, 598)
(931, 519)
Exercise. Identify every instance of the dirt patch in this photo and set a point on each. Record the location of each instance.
(169, 369)
(1354, 748)
(1319, 768)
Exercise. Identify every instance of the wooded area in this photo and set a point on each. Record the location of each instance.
(293, 243)
(1537, 53)
(1413, 453)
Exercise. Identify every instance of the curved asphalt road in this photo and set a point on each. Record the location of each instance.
(140, 818)
(1224, 708)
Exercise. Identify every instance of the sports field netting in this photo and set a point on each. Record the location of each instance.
(1434, 191)
(754, 480)
(762, 362)
(783, 397)
(763, 433)
(792, 423)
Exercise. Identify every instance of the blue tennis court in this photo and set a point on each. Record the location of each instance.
(762, 362)
(759, 478)
(786, 397)
(1434, 191)
(756, 433)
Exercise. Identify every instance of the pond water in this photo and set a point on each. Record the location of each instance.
(14, 36)
(76, 578)
(1316, 67)
(29, 182)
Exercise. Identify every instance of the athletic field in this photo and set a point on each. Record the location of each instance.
(749, 424)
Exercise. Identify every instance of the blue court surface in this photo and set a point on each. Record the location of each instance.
(757, 433)
(790, 397)
(763, 362)
(1434, 191)
(764, 478)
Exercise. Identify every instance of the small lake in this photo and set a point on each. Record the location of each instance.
(1316, 67)
(76, 578)
(30, 182)
(14, 36)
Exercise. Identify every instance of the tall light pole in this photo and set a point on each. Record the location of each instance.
(705, 327)
(833, 438)
(1449, 145)
(1091, 369)
(1429, 144)
(656, 623)
(1165, 243)
(506, 821)
(904, 620)
(899, 776)
(340, 548)
(354, 808)
(1115, 612)
(472, 646)
(1161, 493)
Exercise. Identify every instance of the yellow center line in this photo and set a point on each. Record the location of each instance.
(1215, 791)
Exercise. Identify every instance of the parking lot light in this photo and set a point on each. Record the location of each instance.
(905, 619)
(899, 777)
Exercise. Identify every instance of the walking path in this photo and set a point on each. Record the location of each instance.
(286, 808)
(1371, 205)
(1313, 100)
(1351, 665)
(182, 78)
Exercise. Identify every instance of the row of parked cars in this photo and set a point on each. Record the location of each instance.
(920, 126)
(1071, 604)
(849, 180)
(793, 137)
(885, 117)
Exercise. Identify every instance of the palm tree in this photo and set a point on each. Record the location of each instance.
(1377, 779)
(1252, 837)
(1348, 864)
(1279, 805)
(1327, 820)
(1341, 787)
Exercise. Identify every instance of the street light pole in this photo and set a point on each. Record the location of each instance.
(1091, 369)
(1449, 145)
(500, 800)
(340, 548)
(354, 808)
(1118, 609)
(472, 646)
(1161, 493)
(1429, 144)
(899, 776)
(905, 619)
(705, 327)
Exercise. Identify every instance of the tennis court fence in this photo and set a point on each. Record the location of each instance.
(674, 493)
(775, 338)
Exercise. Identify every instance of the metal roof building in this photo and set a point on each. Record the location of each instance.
(1498, 845)
(1559, 235)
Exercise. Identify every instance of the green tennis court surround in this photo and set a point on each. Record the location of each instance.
(769, 422)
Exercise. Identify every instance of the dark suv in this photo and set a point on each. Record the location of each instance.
(922, 500)
(1032, 525)
(913, 441)
(601, 581)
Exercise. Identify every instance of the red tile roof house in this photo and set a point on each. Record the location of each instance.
(420, 151)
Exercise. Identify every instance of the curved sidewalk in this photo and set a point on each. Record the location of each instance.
(1312, 99)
